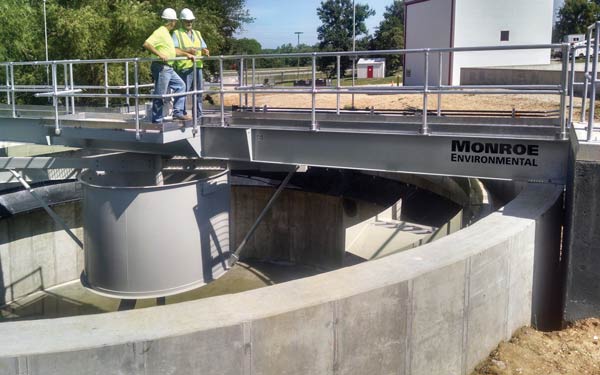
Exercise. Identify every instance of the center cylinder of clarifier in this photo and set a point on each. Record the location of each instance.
(145, 241)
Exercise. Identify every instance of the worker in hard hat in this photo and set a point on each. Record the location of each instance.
(160, 43)
(188, 40)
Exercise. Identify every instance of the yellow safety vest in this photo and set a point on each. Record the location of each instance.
(184, 43)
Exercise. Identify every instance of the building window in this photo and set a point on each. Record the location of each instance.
(504, 36)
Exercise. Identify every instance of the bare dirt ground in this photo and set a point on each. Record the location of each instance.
(573, 351)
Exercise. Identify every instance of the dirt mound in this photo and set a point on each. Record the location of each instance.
(574, 350)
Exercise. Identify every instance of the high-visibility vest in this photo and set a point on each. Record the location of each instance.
(184, 43)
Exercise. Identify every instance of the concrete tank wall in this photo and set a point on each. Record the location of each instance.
(36, 254)
(437, 309)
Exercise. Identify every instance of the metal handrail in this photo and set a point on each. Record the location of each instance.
(107, 91)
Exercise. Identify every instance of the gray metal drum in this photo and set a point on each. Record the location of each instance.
(147, 241)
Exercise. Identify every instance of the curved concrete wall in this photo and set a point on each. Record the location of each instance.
(437, 309)
(36, 253)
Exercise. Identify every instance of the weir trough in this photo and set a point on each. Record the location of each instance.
(137, 233)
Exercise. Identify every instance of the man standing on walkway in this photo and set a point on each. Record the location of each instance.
(188, 40)
(160, 43)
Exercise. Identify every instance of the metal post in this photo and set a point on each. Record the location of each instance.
(72, 88)
(353, 47)
(50, 212)
(46, 44)
(12, 90)
(241, 79)
(136, 71)
(564, 81)
(55, 99)
(66, 76)
(339, 84)
(571, 90)
(221, 92)
(127, 84)
(424, 127)
(593, 81)
(236, 255)
(253, 85)
(194, 100)
(7, 86)
(106, 84)
(441, 73)
(588, 46)
(314, 126)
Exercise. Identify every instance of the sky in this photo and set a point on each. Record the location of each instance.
(276, 20)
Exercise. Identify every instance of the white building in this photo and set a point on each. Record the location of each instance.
(370, 68)
(474, 23)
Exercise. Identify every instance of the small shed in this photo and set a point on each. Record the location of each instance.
(371, 68)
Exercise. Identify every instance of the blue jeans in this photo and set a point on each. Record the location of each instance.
(165, 78)
(188, 76)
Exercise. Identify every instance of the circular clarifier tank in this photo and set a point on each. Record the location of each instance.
(144, 240)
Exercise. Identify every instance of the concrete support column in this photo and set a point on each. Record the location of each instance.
(301, 227)
(582, 231)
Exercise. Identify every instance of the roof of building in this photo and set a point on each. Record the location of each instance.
(378, 60)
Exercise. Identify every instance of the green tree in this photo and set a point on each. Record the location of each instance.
(575, 16)
(390, 35)
(245, 46)
(335, 32)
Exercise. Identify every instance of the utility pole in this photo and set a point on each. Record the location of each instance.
(298, 46)
(46, 43)
(353, 47)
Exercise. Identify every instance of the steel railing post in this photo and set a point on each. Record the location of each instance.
(136, 72)
(571, 90)
(253, 85)
(12, 90)
(57, 129)
(593, 81)
(72, 88)
(127, 84)
(106, 104)
(241, 80)
(314, 126)
(194, 99)
(424, 125)
(66, 77)
(588, 46)
(7, 85)
(339, 84)
(564, 81)
(441, 73)
(221, 92)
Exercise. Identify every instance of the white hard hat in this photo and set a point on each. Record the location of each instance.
(169, 14)
(186, 15)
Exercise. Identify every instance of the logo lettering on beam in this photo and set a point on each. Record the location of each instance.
(494, 153)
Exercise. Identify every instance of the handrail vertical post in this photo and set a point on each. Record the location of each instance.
(253, 84)
(12, 90)
(441, 73)
(66, 77)
(127, 84)
(593, 81)
(241, 80)
(314, 126)
(571, 90)
(7, 85)
(57, 130)
(564, 82)
(588, 46)
(136, 72)
(194, 99)
(221, 92)
(339, 84)
(424, 126)
(72, 88)
(106, 104)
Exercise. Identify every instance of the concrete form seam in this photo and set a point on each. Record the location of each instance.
(22, 365)
(247, 348)
(507, 333)
(465, 327)
(409, 322)
(335, 334)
